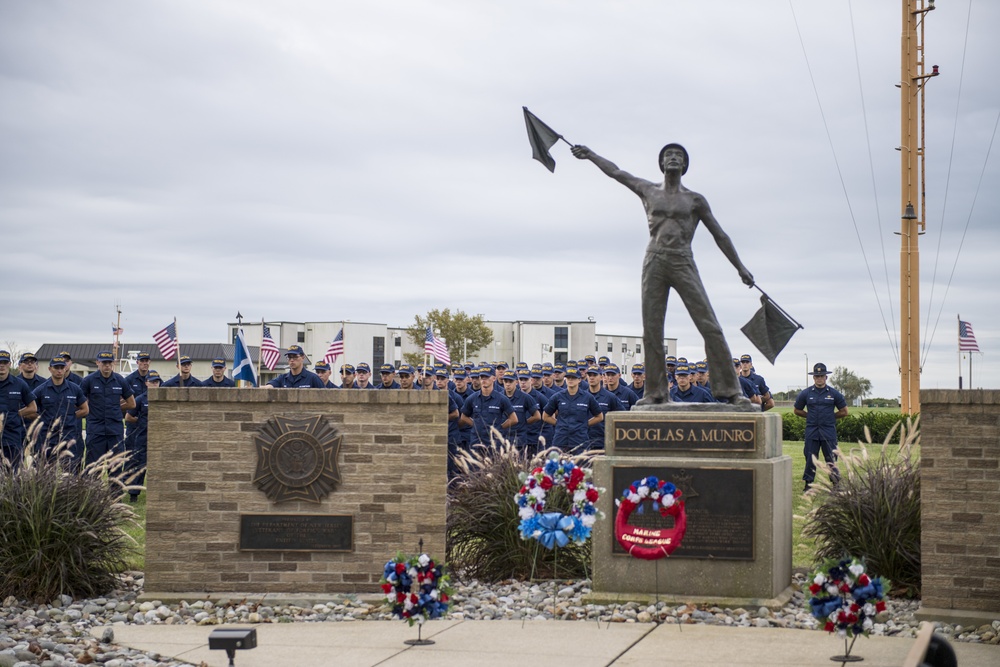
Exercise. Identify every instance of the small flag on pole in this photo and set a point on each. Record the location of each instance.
(269, 352)
(770, 328)
(336, 347)
(966, 339)
(243, 371)
(116, 330)
(436, 347)
(166, 340)
(541, 137)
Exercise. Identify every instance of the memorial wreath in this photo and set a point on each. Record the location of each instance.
(846, 599)
(417, 587)
(650, 543)
(555, 529)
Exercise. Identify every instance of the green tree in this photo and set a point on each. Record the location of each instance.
(455, 328)
(851, 385)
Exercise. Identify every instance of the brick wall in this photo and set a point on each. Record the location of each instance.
(202, 460)
(960, 499)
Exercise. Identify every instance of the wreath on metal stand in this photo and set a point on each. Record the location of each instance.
(418, 589)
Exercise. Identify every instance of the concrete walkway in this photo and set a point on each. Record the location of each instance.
(577, 643)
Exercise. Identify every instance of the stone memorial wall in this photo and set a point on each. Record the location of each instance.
(290, 490)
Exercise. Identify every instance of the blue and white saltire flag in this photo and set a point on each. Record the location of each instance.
(244, 373)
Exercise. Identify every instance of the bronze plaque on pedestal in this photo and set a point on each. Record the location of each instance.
(718, 503)
(673, 435)
(296, 532)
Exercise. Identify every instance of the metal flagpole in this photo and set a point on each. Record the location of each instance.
(959, 352)
(177, 354)
(260, 382)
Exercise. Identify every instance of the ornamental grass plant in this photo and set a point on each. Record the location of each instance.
(873, 512)
(483, 538)
(62, 531)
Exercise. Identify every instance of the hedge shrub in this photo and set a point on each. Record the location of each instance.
(851, 428)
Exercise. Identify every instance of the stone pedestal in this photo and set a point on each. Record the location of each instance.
(737, 490)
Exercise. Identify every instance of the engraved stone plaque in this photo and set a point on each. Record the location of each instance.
(296, 532)
(718, 504)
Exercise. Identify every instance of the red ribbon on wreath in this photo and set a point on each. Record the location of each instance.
(650, 543)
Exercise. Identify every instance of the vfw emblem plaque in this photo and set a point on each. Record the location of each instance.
(297, 458)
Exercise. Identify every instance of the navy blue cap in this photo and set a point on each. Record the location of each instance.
(153, 376)
(509, 375)
(572, 373)
(406, 369)
(345, 369)
(559, 368)
(441, 373)
(295, 349)
(603, 360)
(105, 355)
(27, 356)
(682, 369)
(638, 369)
(184, 359)
(320, 366)
(142, 356)
(460, 374)
(363, 367)
(5, 356)
(218, 363)
(57, 361)
(746, 358)
(612, 368)
(386, 368)
(537, 373)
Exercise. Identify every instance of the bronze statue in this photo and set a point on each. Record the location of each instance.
(673, 213)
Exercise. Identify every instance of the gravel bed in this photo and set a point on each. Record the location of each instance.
(57, 633)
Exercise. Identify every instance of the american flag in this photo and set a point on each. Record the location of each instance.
(166, 340)
(966, 339)
(436, 347)
(336, 347)
(269, 352)
(116, 331)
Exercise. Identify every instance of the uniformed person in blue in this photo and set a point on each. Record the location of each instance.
(70, 376)
(613, 383)
(526, 383)
(638, 379)
(749, 388)
(27, 366)
(573, 411)
(183, 377)
(15, 402)
(297, 376)
(406, 374)
(746, 370)
(686, 391)
(135, 443)
(323, 370)
(462, 393)
(700, 375)
(388, 374)
(59, 405)
(607, 401)
(347, 376)
(525, 407)
(822, 406)
(487, 409)
(364, 377)
(218, 378)
(137, 378)
(108, 397)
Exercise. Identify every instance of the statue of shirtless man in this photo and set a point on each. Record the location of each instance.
(673, 213)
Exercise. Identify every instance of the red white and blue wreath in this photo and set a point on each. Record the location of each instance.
(650, 543)
(417, 588)
(555, 529)
(846, 599)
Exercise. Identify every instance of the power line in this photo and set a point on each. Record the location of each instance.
(843, 185)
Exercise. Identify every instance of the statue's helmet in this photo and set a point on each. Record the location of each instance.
(687, 159)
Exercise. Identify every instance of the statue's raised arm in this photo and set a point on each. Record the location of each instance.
(633, 183)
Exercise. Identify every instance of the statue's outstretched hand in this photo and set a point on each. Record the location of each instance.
(746, 277)
(581, 152)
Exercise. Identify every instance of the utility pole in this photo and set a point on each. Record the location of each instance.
(912, 205)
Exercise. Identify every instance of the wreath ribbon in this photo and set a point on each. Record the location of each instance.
(554, 526)
(650, 543)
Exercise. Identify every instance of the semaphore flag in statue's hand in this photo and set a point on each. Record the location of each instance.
(541, 137)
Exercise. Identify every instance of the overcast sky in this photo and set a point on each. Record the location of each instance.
(311, 160)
